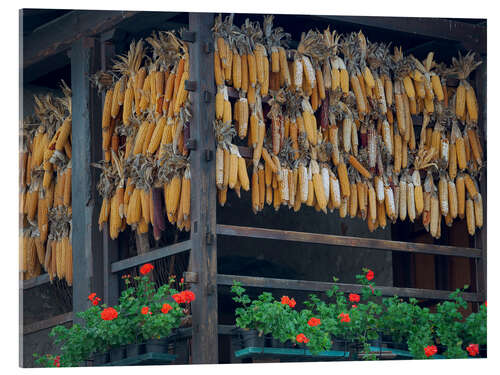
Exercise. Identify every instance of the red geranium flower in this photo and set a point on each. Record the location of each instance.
(109, 313)
(370, 275)
(189, 296)
(430, 350)
(313, 322)
(354, 306)
(166, 308)
(302, 338)
(96, 301)
(292, 303)
(92, 296)
(182, 280)
(344, 318)
(145, 310)
(285, 300)
(178, 297)
(354, 297)
(473, 349)
(485, 305)
(146, 268)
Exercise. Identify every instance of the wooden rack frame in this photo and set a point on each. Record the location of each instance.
(90, 40)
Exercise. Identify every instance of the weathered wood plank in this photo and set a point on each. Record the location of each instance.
(330, 239)
(470, 35)
(47, 323)
(320, 286)
(150, 256)
(60, 34)
(203, 259)
(86, 240)
(34, 282)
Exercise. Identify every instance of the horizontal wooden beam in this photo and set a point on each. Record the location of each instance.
(60, 34)
(48, 323)
(470, 35)
(34, 282)
(151, 256)
(331, 239)
(320, 286)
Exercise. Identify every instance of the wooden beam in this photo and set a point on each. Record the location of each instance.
(163, 252)
(203, 259)
(320, 286)
(86, 240)
(481, 237)
(47, 323)
(471, 36)
(66, 30)
(331, 239)
(34, 282)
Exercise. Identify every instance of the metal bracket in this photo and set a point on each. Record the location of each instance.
(188, 36)
(191, 144)
(209, 154)
(190, 85)
(190, 277)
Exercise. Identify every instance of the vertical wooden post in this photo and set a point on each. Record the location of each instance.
(481, 238)
(109, 246)
(203, 258)
(86, 240)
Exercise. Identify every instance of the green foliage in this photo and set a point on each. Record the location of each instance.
(96, 335)
(403, 321)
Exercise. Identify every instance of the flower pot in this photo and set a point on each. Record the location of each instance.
(355, 348)
(117, 353)
(134, 350)
(99, 359)
(288, 344)
(251, 338)
(156, 346)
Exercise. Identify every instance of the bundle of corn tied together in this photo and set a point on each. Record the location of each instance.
(45, 183)
(330, 124)
(145, 124)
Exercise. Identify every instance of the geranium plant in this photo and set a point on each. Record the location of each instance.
(144, 312)
(361, 318)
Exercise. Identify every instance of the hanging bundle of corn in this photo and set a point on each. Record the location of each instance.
(330, 124)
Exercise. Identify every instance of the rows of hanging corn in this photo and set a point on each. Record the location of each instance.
(45, 189)
(145, 123)
(330, 125)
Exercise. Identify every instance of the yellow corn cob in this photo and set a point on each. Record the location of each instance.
(474, 145)
(381, 215)
(219, 167)
(106, 112)
(435, 216)
(478, 211)
(404, 202)
(452, 199)
(104, 213)
(243, 174)
(222, 195)
(409, 88)
(471, 221)
(219, 103)
(262, 185)
(471, 103)
(460, 100)
(343, 179)
(443, 195)
(460, 185)
(115, 106)
(252, 69)
(437, 87)
(174, 195)
(356, 87)
(233, 167)
(470, 186)
(353, 201)
(186, 194)
(452, 165)
(236, 70)
(255, 191)
(157, 135)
